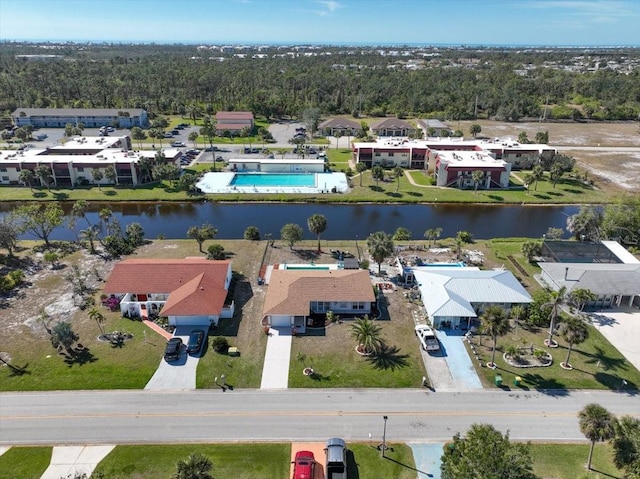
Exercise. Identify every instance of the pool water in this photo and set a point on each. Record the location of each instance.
(274, 179)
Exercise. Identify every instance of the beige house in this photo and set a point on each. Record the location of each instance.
(293, 295)
(233, 121)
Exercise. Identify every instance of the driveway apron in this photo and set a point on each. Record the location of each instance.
(179, 374)
(73, 461)
(275, 372)
(460, 366)
(427, 459)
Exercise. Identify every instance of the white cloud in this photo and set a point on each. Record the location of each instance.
(329, 5)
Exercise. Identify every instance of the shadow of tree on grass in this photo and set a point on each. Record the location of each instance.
(389, 358)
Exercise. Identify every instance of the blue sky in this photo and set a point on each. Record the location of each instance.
(373, 22)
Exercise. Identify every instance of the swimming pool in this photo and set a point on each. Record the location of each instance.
(273, 179)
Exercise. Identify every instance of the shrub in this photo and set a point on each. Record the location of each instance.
(220, 344)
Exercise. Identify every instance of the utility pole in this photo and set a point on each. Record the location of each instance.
(383, 446)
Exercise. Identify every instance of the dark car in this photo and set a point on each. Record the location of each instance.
(172, 349)
(303, 465)
(195, 341)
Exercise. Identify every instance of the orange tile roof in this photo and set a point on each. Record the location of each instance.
(291, 292)
(195, 285)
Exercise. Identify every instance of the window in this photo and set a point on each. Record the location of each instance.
(357, 305)
(391, 154)
(377, 154)
(5, 178)
(80, 169)
(4, 170)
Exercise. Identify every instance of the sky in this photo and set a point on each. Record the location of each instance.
(328, 22)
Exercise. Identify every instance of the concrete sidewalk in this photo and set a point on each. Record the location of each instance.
(69, 461)
(275, 371)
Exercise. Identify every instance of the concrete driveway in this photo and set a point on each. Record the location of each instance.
(621, 327)
(180, 374)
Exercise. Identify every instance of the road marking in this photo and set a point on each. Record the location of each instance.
(294, 414)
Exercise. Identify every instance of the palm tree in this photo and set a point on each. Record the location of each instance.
(558, 299)
(97, 177)
(528, 180)
(597, 424)
(495, 323)
(98, 317)
(398, 172)
(380, 246)
(338, 135)
(193, 137)
(580, 297)
(474, 129)
(90, 235)
(377, 172)
(196, 466)
(537, 173)
(477, 176)
(361, 168)
(317, 224)
(43, 172)
(574, 331)
(368, 335)
(26, 177)
(432, 234)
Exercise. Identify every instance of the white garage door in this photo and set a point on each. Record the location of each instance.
(280, 321)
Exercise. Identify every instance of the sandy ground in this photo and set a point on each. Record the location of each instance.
(619, 169)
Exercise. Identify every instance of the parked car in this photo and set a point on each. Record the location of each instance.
(211, 148)
(111, 129)
(193, 152)
(427, 337)
(336, 467)
(303, 465)
(175, 132)
(172, 349)
(178, 144)
(195, 341)
(167, 135)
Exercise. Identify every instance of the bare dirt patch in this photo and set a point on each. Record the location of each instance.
(619, 170)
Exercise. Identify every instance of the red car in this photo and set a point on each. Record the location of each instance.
(303, 465)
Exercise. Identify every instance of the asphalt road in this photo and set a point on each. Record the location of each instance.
(120, 417)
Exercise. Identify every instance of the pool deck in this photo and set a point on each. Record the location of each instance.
(220, 182)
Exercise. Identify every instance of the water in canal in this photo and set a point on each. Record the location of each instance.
(172, 220)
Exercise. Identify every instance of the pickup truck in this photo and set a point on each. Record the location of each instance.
(427, 338)
(336, 467)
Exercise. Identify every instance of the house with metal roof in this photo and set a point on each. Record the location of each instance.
(293, 295)
(189, 292)
(606, 268)
(614, 284)
(453, 297)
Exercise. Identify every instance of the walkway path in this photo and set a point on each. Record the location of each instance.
(275, 371)
(70, 461)
(165, 334)
(4, 449)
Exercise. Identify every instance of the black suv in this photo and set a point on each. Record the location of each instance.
(195, 341)
(172, 350)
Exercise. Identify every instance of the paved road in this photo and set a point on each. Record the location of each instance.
(119, 417)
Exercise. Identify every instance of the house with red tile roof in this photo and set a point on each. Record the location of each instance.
(293, 295)
(191, 291)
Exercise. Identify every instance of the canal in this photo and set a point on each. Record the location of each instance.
(172, 220)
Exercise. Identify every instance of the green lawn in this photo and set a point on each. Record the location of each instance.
(596, 364)
(102, 367)
(237, 461)
(364, 461)
(421, 177)
(568, 461)
(568, 191)
(24, 462)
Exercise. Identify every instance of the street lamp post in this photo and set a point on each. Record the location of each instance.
(383, 447)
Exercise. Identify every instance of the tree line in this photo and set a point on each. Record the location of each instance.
(167, 80)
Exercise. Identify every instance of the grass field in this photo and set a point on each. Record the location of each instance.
(24, 462)
(271, 461)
